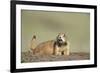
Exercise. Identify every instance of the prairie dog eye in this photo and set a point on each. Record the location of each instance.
(60, 37)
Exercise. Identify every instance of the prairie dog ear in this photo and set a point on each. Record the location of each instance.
(64, 35)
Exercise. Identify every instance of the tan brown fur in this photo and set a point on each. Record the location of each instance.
(52, 47)
(45, 48)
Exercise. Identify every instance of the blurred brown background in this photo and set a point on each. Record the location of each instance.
(46, 25)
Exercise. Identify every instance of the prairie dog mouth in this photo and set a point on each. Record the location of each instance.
(60, 40)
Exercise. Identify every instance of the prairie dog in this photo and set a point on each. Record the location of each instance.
(59, 46)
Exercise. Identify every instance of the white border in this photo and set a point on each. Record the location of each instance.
(20, 65)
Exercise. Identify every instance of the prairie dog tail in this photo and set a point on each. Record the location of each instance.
(34, 37)
(33, 42)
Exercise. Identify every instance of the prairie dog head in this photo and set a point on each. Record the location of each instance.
(61, 38)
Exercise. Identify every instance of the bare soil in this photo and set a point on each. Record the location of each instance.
(27, 57)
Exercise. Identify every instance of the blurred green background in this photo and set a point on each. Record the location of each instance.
(46, 25)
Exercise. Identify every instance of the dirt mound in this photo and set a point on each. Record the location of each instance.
(27, 57)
